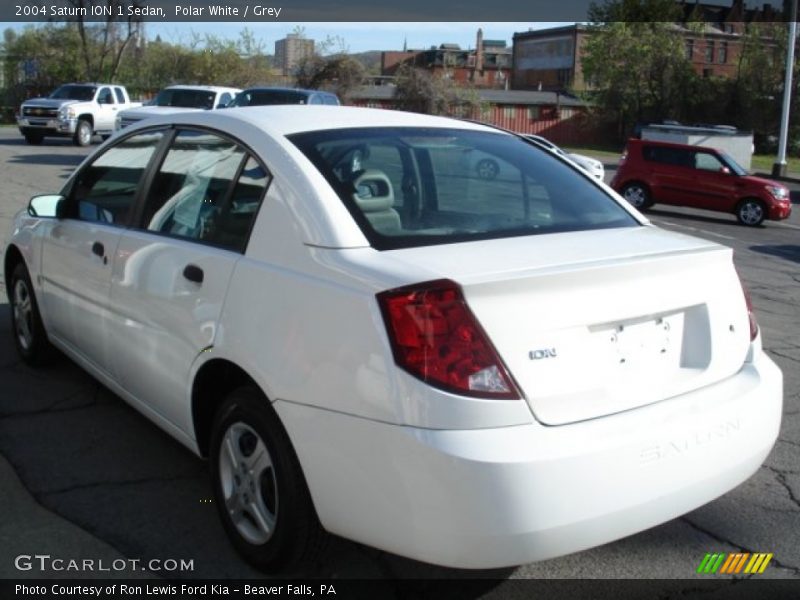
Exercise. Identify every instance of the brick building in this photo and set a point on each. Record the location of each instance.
(291, 50)
(486, 66)
(550, 59)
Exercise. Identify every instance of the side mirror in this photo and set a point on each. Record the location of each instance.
(725, 170)
(50, 206)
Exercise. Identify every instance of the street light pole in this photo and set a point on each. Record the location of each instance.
(779, 167)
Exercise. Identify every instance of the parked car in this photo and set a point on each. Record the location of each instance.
(364, 339)
(699, 177)
(76, 110)
(264, 96)
(590, 165)
(179, 98)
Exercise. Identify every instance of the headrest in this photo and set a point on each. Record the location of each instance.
(373, 191)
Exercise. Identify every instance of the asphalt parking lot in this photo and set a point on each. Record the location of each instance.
(87, 457)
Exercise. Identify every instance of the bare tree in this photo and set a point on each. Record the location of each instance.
(104, 43)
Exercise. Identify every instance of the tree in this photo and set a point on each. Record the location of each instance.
(635, 59)
(420, 91)
(340, 74)
(104, 45)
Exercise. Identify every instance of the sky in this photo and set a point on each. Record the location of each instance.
(358, 37)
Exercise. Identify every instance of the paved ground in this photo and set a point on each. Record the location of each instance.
(106, 482)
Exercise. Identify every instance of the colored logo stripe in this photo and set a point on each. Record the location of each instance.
(734, 563)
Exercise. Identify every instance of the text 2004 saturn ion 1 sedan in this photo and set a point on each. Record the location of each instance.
(367, 338)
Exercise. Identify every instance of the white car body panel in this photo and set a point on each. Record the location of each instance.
(390, 461)
(134, 115)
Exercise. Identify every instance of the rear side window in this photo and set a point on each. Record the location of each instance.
(208, 189)
(416, 186)
(120, 95)
(668, 156)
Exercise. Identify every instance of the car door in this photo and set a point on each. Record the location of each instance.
(107, 109)
(715, 186)
(671, 175)
(78, 250)
(172, 270)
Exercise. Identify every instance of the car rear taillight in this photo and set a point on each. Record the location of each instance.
(436, 338)
(751, 315)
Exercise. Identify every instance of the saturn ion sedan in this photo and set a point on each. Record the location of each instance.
(365, 337)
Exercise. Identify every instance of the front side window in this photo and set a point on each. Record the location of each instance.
(105, 191)
(207, 189)
(706, 161)
(417, 186)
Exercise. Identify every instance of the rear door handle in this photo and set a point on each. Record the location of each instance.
(193, 273)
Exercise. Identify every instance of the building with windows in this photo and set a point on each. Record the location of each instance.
(290, 51)
(488, 65)
(550, 59)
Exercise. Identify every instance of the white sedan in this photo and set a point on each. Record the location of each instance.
(366, 339)
(590, 165)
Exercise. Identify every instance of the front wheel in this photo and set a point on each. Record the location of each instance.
(30, 336)
(637, 195)
(751, 212)
(259, 487)
(83, 133)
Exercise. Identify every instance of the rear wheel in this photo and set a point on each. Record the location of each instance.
(751, 212)
(83, 133)
(30, 337)
(637, 195)
(259, 487)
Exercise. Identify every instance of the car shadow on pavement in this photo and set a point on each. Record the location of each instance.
(724, 219)
(785, 251)
(87, 456)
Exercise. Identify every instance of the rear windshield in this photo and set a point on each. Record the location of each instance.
(417, 186)
(265, 97)
(74, 92)
(186, 98)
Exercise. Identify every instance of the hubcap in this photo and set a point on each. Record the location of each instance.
(85, 134)
(23, 314)
(751, 213)
(635, 195)
(248, 483)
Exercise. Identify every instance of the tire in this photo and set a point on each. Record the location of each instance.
(34, 138)
(30, 336)
(83, 133)
(259, 487)
(637, 195)
(751, 212)
(487, 168)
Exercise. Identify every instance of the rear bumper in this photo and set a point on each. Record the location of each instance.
(500, 497)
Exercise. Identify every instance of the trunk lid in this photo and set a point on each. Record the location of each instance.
(593, 323)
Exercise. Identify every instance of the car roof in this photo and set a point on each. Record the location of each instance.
(637, 141)
(269, 88)
(208, 88)
(286, 119)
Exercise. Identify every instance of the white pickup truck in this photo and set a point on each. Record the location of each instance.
(76, 110)
(179, 98)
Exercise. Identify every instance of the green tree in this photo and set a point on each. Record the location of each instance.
(420, 91)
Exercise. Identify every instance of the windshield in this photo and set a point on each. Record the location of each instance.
(186, 98)
(74, 92)
(734, 166)
(418, 186)
(265, 97)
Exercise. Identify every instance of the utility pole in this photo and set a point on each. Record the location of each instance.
(779, 167)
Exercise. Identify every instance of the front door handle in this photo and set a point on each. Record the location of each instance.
(193, 273)
(99, 250)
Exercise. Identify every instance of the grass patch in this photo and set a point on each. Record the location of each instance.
(763, 163)
(601, 153)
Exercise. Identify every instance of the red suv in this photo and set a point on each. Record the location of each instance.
(700, 177)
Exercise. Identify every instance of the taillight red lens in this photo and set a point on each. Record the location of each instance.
(436, 338)
(751, 315)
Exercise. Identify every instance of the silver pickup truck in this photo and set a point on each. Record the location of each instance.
(76, 110)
